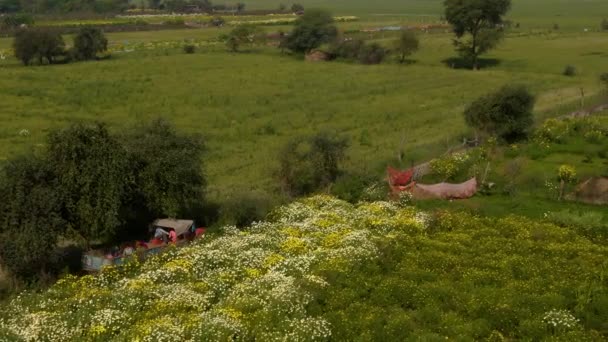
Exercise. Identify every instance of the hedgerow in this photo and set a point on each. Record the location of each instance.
(323, 269)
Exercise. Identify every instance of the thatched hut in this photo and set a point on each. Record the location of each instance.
(594, 191)
(317, 56)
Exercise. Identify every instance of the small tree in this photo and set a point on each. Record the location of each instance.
(91, 170)
(506, 113)
(240, 7)
(604, 80)
(312, 29)
(310, 163)
(89, 42)
(168, 178)
(297, 8)
(40, 44)
(406, 45)
(217, 21)
(604, 24)
(481, 20)
(241, 35)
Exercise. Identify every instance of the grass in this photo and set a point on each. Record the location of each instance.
(381, 108)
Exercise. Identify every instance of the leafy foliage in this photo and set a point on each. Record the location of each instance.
(40, 44)
(406, 45)
(310, 163)
(243, 35)
(94, 184)
(323, 269)
(311, 30)
(30, 220)
(569, 70)
(506, 113)
(189, 48)
(89, 42)
(357, 49)
(16, 20)
(372, 53)
(296, 7)
(478, 19)
(91, 171)
(166, 169)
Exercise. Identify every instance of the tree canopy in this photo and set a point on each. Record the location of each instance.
(89, 42)
(307, 164)
(312, 29)
(505, 113)
(94, 184)
(42, 45)
(406, 45)
(479, 20)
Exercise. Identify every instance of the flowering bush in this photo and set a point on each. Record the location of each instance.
(448, 166)
(323, 269)
(560, 320)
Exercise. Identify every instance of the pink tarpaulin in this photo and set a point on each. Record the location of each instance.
(445, 190)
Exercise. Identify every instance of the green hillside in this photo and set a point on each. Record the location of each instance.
(323, 269)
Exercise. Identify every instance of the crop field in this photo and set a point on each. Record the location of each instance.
(523, 259)
(383, 109)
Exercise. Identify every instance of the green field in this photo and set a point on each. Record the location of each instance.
(248, 104)
(504, 265)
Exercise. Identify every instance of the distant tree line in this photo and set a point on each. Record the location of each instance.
(316, 28)
(46, 46)
(91, 185)
(62, 6)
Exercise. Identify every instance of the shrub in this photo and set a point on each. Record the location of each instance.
(217, 21)
(506, 113)
(448, 166)
(40, 44)
(604, 80)
(242, 209)
(372, 53)
(351, 186)
(310, 163)
(296, 8)
(347, 49)
(17, 20)
(88, 42)
(189, 48)
(243, 34)
(565, 174)
(604, 24)
(569, 70)
(312, 29)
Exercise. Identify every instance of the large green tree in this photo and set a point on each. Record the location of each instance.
(38, 44)
(30, 215)
(167, 171)
(476, 24)
(312, 29)
(91, 170)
